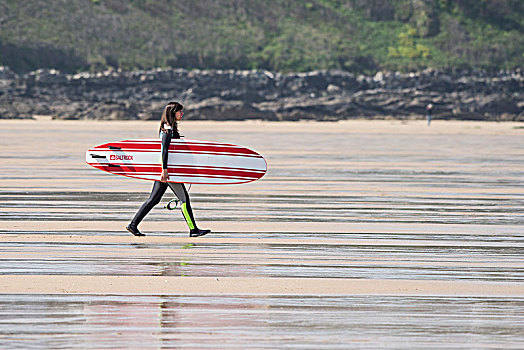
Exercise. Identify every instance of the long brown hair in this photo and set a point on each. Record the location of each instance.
(168, 117)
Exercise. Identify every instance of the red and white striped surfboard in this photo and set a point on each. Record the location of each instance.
(190, 161)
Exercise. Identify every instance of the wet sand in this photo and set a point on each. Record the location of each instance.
(170, 285)
(399, 219)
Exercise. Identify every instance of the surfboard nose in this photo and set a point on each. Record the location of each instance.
(94, 156)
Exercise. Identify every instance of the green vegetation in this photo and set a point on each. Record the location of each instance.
(409, 53)
(280, 35)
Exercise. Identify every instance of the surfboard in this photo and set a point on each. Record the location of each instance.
(189, 161)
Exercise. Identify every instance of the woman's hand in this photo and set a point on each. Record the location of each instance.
(165, 176)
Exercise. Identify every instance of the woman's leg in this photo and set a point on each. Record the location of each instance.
(180, 191)
(159, 188)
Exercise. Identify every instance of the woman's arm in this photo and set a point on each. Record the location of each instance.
(166, 141)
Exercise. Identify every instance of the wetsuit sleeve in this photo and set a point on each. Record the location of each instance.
(166, 141)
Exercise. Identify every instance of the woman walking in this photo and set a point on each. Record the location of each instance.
(172, 114)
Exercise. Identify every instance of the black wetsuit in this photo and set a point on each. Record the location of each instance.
(159, 188)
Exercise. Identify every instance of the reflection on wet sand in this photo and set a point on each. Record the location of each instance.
(365, 234)
(236, 322)
(450, 257)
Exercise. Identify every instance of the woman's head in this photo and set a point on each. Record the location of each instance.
(173, 113)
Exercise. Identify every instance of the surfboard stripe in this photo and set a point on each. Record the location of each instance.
(192, 178)
(210, 180)
(204, 162)
(200, 181)
(174, 177)
(183, 178)
(131, 169)
(183, 152)
(177, 147)
(156, 176)
(135, 165)
(176, 141)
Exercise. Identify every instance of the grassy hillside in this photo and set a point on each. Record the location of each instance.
(279, 35)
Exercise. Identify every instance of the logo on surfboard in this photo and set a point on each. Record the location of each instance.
(117, 157)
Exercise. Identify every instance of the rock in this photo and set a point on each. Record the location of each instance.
(379, 77)
(240, 95)
(333, 89)
(106, 110)
(217, 109)
(6, 73)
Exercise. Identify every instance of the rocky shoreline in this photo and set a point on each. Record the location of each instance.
(243, 95)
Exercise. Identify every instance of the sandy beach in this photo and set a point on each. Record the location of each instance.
(380, 227)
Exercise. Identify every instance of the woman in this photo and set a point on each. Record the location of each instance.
(173, 113)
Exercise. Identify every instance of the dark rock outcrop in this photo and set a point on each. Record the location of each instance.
(241, 95)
